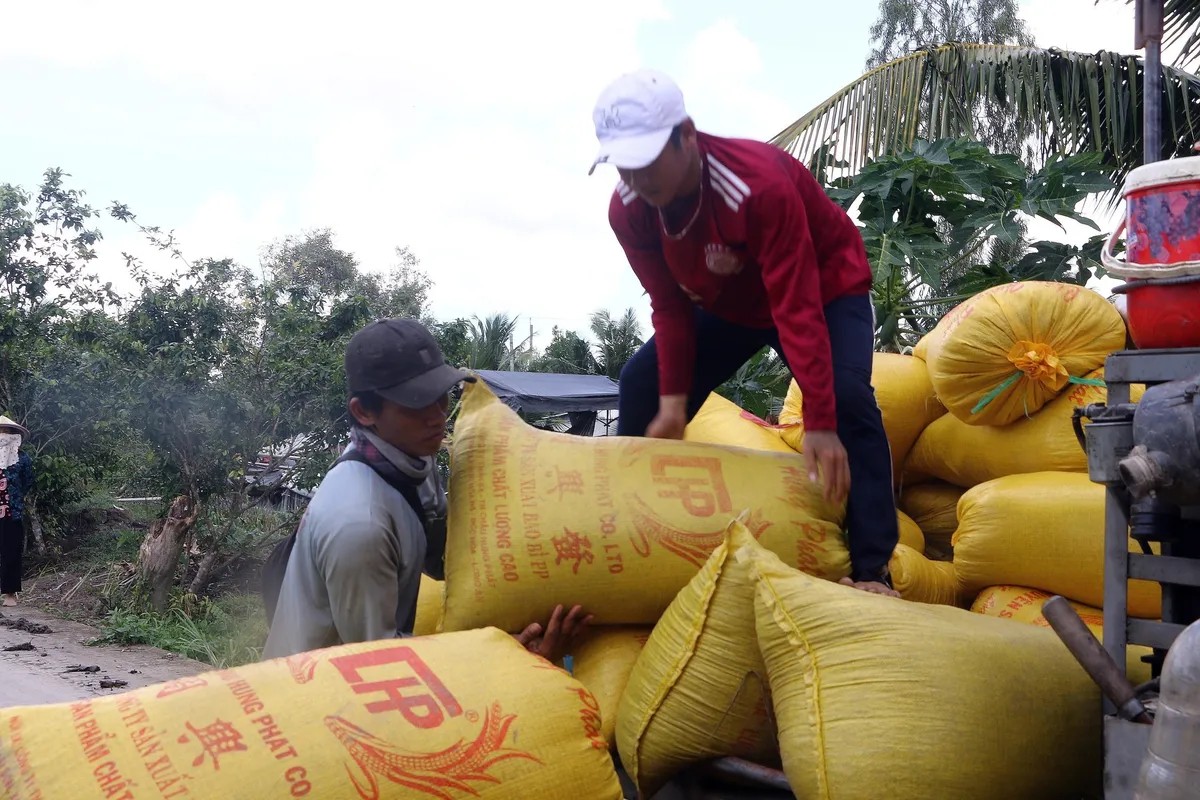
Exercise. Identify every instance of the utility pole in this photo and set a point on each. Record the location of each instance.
(1147, 34)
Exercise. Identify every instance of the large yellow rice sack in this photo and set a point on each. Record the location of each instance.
(934, 507)
(1009, 350)
(616, 524)
(398, 718)
(603, 663)
(720, 421)
(699, 689)
(1025, 605)
(910, 532)
(999, 710)
(905, 397)
(429, 607)
(966, 455)
(1045, 530)
(920, 580)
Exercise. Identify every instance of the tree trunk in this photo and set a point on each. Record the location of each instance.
(35, 531)
(160, 550)
(210, 565)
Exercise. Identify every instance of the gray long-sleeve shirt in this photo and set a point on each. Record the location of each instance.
(355, 570)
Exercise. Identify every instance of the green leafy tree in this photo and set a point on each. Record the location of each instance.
(568, 353)
(905, 26)
(944, 220)
(617, 339)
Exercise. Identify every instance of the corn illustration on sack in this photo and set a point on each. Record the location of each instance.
(967, 455)
(905, 397)
(910, 532)
(399, 718)
(618, 525)
(1044, 530)
(722, 422)
(934, 507)
(429, 607)
(1025, 605)
(852, 678)
(603, 663)
(920, 580)
(1009, 350)
(698, 690)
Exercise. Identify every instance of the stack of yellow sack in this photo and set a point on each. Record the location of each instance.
(757, 660)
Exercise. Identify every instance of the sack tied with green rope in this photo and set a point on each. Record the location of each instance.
(1007, 351)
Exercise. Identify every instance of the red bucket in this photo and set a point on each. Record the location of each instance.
(1162, 264)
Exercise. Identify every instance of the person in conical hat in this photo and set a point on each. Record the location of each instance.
(16, 482)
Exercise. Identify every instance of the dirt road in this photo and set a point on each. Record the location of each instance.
(61, 667)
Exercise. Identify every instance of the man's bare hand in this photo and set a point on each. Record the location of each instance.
(555, 640)
(874, 587)
(823, 450)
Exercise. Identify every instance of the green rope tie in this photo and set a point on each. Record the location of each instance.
(1011, 379)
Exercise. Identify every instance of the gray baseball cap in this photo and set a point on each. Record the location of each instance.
(399, 360)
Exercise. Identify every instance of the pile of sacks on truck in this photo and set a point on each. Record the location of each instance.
(711, 567)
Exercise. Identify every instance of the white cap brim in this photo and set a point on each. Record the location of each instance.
(632, 152)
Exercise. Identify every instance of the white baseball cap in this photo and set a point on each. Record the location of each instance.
(634, 118)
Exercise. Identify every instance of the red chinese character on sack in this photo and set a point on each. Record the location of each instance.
(567, 482)
(217, 739)
(696, 482)
(572, 547)
(180, 685)
(422, 710)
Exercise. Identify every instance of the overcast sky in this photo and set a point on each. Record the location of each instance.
(462, 130)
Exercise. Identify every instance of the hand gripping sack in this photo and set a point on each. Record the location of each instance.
(397, 718)
(967, 455)
(1044, 530)
(618, 525)
(905, 397)
(1009, 350)
(722, 422)
(603, 663)
(920, 580)
(934, 507)
(1021, 604)
(699, 689)
(429, 607)
(876, 697)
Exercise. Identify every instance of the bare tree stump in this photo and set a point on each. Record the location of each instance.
(159, 554)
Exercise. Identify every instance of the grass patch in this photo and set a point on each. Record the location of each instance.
(226, 632)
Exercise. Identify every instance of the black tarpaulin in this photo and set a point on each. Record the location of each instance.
(548, 393)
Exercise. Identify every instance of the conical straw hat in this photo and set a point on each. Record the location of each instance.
(5, 422)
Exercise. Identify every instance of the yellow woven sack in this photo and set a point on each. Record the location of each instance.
(967, 455)
(905, 397)
(1009, 350)
(698, 690)
(910, 532)
(603, 663)
(398, 718)
(616, 524)
(920, 580)
(1044, 530)
(856, 678)
(429, 607)
(934, 507)
(1025, 605)
(720, 421)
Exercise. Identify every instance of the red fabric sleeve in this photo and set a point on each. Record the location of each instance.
(671, 312)
(778, 238)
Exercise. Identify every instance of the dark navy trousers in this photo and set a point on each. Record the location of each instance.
(721, 349)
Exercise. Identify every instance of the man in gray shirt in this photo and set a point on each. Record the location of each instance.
(355, 569)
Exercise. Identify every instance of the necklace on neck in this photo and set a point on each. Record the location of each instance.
(662, 219)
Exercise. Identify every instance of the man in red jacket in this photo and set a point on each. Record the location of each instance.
(739, 248)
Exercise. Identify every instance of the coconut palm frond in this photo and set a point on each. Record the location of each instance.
(1067, 102)
(1181, 23)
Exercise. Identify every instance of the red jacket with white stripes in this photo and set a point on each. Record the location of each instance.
(767, 249)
